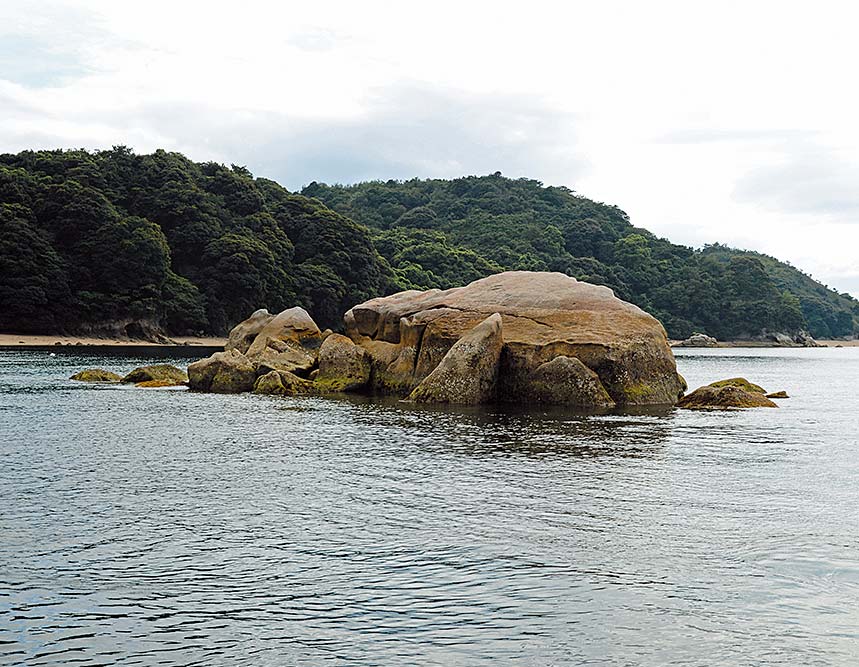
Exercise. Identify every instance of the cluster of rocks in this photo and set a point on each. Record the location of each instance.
(730, 394)
(518, 337)
(156, 375)
(521, 337)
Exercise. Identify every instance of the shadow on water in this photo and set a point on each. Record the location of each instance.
(512, 430)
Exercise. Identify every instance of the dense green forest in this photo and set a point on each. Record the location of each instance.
(437, 233)
(111, 239)
(114, 242)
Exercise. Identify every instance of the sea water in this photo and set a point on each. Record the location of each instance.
(162, 526)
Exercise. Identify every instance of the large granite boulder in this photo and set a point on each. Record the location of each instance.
(243, 334)
(468, 373)
(228, 372)
(543, 316)
(288, 342)
(343, 366)
(725, 397)
(157, 372)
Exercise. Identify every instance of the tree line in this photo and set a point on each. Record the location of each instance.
(107, 239)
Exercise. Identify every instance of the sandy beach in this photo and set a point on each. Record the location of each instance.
(19, 340)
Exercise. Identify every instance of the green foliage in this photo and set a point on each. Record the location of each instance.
(437, 233)
(94, 238)
(91, 239)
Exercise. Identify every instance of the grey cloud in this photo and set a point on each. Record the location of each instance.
(405, 131)
(809, 178)
(414, 131)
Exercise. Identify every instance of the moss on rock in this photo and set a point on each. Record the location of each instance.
(159, 383)
(724, 398)
(96, 375)
(156, 372)
(741, 383)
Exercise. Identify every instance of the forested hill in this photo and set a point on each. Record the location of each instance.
(438, 233)
(123, 243)
(120, 243)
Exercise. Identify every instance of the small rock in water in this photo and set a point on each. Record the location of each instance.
(726, 397)
(778, 394)
(156, 372)
(96, 375)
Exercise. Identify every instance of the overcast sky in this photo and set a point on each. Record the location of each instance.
(735, 122)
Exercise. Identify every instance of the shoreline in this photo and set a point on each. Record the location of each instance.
(755, 343)
(30, 340)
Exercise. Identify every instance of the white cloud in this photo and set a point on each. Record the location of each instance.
(730, 122)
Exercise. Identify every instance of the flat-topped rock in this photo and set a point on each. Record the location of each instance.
(543, 316)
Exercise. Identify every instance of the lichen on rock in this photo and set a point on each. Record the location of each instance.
(96, 375)
(156, 372)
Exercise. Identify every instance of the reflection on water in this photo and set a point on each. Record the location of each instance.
(168, 527)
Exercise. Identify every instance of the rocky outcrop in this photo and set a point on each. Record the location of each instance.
(519, 336)
(229, 372)
(96, 375)
(725, 397)
(468, 372)
(243, 334)
(543, 316)
(157, 372)
(343, 366)
(698, 340)
(283, 383)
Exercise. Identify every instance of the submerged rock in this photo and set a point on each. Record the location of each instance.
(343, 366)
(725, 397)
(228, 372)
(544, 316)
(283, 383)
(160, 383)
(468, 372)
(96, 375)
(156, 372)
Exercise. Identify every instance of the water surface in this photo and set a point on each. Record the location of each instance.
(161, 526)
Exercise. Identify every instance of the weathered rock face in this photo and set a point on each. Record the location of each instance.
(343, 366)
(96, 375)
(543, 316)
(283, 383)
(288, 342)
(725, 397)
(243, 334)
(567, 381)
(228, 372)
(157, 372)
(468, 372)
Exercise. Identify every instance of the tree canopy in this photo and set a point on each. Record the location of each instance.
(93, 238)
(442, 233)
(111, 238)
